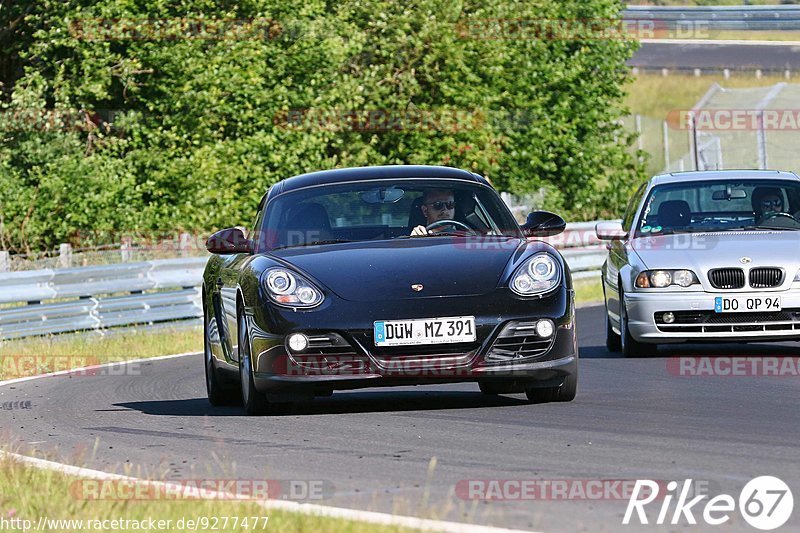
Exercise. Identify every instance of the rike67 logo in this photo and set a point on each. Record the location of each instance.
(765, 503)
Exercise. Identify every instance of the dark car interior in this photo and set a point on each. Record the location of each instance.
(310, 221)
(730, 205)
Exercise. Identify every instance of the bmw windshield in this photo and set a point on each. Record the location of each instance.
(720, 205)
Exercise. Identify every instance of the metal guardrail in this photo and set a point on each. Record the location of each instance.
(762, 18)
(581, 248)
(108, 296)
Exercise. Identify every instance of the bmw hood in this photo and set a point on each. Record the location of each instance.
(703, 251)
(386, 270)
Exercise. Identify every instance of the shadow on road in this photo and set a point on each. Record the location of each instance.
(784, 349)
(342, 402)
(598, 352)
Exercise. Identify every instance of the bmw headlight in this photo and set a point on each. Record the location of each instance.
(536, 275)
(290, 289)
(659, 279)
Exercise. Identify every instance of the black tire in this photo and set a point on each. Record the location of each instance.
(493, 389)
(565, 393)
(219, 391)
(255, 403)
(613, 340)
(630, 347)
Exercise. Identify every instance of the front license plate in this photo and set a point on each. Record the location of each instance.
(424, 331)
(746, 304)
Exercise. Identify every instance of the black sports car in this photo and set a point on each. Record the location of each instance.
(384, 276)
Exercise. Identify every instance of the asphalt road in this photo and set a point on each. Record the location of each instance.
(710, 56)
(373, 448)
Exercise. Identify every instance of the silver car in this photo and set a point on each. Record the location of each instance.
(704, 256)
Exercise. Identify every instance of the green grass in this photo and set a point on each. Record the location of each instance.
(39, 355)
(748, 35)
(653, 95)
(28, 493)
(588, 291)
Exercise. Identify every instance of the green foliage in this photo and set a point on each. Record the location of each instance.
(194, 126)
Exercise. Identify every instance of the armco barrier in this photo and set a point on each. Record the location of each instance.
(108, 296)
(763, 18)
(101, 297)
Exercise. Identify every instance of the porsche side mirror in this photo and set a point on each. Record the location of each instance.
(229, 241)
(610, 231)
(543, 224)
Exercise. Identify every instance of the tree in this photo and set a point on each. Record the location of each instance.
(177, 115)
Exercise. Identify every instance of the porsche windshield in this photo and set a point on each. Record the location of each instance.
(379, 210)
(720, 206)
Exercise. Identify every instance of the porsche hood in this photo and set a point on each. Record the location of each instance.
(385, 270)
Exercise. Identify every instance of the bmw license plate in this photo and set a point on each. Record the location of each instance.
(424, 331)
(746, 304)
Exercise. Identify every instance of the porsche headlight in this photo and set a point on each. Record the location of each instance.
(536, 275)
(664, 278)
(290, 289)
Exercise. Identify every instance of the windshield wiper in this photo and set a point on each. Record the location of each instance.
(313, 243)
(762, 226)
(700, 229)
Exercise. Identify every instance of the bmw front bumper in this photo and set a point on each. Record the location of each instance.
(696, 320)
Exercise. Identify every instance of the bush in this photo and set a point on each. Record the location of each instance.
(126, 116)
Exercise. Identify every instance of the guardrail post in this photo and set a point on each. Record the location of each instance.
(125, 249)
(65, 255)
(184, 243)
(5, 261)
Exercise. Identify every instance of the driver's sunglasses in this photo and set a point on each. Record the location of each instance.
(439, 206)
(772, 203)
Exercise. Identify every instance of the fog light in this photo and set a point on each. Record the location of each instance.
(544, 328)
(298, 342)
(669, 318)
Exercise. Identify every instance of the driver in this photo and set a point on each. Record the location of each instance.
(437, 204)
(767, 201)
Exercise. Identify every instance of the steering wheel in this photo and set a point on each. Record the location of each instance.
(449, 222)
(768, 216)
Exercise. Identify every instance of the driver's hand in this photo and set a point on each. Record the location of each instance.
(419, 230)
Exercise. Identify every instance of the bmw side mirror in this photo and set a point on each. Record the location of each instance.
(610, 231)
(543, 224)
(229, 241)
